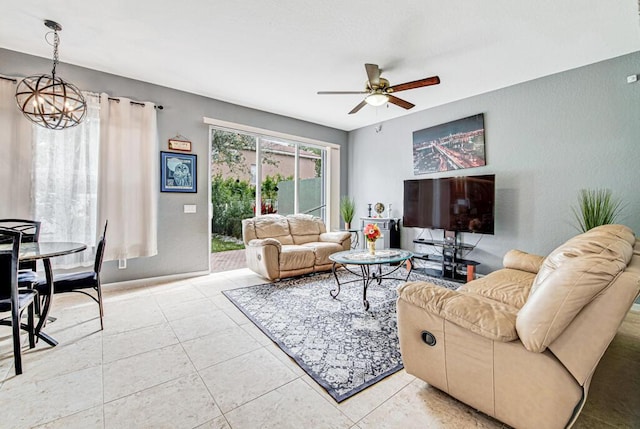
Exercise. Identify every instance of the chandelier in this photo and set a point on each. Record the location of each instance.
(49, 101)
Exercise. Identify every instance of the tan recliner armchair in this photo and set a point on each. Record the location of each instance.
(285, 246)
(522, 343)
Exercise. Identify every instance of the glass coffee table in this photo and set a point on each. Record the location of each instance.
(365, 261)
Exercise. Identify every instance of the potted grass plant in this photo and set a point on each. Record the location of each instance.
(347, 210)
(596, 207)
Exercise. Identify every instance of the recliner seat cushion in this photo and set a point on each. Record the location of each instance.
(295, 257)
(323, 250)
(507, 286)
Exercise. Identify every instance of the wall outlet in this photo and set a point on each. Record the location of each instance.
(632, 78)
(122, 264)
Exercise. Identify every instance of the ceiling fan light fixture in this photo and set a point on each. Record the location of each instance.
(49, 101)
(376, 99)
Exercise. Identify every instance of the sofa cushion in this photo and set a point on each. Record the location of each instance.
(273, 226)
(295, 257)
(570, 278)
(323, 250)
(507, 286)
(305, 228)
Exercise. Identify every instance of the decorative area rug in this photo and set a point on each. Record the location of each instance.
(344, 348)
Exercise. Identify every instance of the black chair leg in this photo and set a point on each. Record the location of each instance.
(99, 289)
(17, 352)
(31, 325)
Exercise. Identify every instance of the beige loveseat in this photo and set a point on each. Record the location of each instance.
(522, 343)
(284, 246)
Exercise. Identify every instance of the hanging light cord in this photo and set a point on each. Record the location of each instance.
(56, 42)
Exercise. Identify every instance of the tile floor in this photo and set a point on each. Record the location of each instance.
(180, 355)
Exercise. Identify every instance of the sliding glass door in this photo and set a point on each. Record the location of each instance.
(253, 175)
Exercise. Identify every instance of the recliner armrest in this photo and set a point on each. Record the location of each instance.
(260, 242)
(489, 319)
(523, 261)
(335, 237)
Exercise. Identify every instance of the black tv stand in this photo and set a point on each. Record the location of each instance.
(451, 259)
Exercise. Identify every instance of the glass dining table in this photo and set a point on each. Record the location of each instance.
(44, 251)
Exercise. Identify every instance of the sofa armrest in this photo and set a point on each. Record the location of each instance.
(263, 257)
(259, 242)
(489, 319)
(335, 237)
(523, 261)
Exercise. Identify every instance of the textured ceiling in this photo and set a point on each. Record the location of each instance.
(275, 55)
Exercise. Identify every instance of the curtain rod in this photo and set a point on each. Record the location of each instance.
(137, 103)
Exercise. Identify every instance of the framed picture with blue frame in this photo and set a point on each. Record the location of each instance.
(178, 172)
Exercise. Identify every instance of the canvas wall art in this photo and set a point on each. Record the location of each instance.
(451, 146)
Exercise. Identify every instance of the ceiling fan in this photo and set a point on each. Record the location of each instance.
(379, 92)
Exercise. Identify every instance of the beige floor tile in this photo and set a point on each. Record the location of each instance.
(242, 379)
(223, 302)
(128, 315)
(117, 292)
(32, 404)
(211, 280)
(200, 325)
(180, 403)
(67, 331)
(46, 362)
(126, 376)
(256, 333)
(184, 309)
(365, 402)
(294, 405)
(418, 406)
(245, 277)
(166, 286)
(214, 288)
(235, 314)
(614, 395)
(217, 423)
(285, 359)
(585, 421)
(219, 347)
(131, 343)
(89, 419)
(178, 294)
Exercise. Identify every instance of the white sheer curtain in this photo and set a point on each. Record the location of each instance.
(128, 178)
(65, 183)
(15, 156)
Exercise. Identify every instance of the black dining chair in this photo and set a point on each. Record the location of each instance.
(81, 281)
(12, 299)
(30, 230)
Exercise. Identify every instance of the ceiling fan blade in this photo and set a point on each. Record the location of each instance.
(433, 80)
(358, 107)
(341, 92)
(400, 102)
(373, 74)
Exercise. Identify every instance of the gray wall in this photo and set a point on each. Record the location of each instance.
(545, 140)
(183, 242)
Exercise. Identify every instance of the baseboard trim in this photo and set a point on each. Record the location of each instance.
(159, 279)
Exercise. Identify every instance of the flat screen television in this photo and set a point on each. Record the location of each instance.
(461, 204)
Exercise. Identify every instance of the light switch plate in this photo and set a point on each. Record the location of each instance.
(190, 208)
